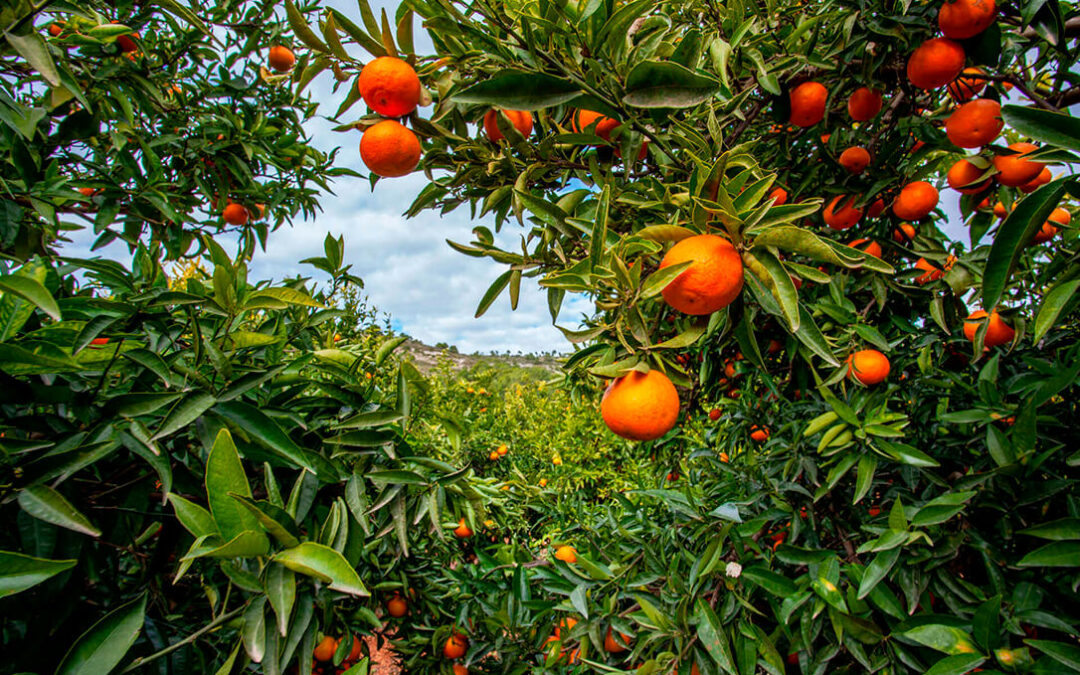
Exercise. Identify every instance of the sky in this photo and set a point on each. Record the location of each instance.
(429, 290)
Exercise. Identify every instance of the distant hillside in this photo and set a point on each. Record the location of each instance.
(426, 358)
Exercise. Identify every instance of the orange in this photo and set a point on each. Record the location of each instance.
(235, 214)
(502, 449)
(962, 177)
(456, 646)
(961, 19)
(567, 554)
(713, 279)
(997, 331)
(868, 245)
(104, 341)
(462, 531)
(759, 434)
(869, 366)
(1013, 169)
(460, 669)
(915, 201)
(1050, 227)
(494, 455)
(87, 191)
(808, 103)
(281, 59)
(324, 651)
(543, 482)
(855, 159)
(1060, 216)
(967, 85)
(640, 406)
(931, 273)
(1035, 183)
(724, 457)
(1000, 210)
(127, 44)
(612, 646)
(904, 232)
(397, 607)
(584, 119)
(975, 123)
(864, 104)
(714, 414)
(844, 217)
(875, 208)
(521, 119)
(935, 63)
(56, 28)
(389, 150)
(779, 196)
(389, 86)
(356, 652)
(672, 477)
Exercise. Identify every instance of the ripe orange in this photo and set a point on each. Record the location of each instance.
(1000, 210)
(56, 28)
(904, 233)
(494, 455)
(935, 63)
(875, 209)
(843, 217)
(869, 366)
(397, 607)
(967, 85)
(127, 43)
(975, 123)
(355, 652)
(724, 457)
(855, 159)
(389, 86)
(462, 531)
(961, 19)
(281, 58)
(931, 273)
(713, 279)
(779, 196)
(502, 449)
(521, 119)
(235, 214)
(864, 104)
(640, 406)
(567, 554)
(868, 245)
(324, 651)
(997, 331)
(456, 646)
(460, 669)
(759, 434)
(543, 482)
(808, 103)
(1013, 169)
(714, 414)
(962, 176)
(584, 119)
(1060, 216)
(389, 150)
(1050, 227)
(612, 646)
(1035, 183)
(915, 201)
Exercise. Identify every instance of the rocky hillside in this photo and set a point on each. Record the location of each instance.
(426, 357)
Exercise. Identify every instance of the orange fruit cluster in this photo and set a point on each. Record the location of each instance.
(391, 88)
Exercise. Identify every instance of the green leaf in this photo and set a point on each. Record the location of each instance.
(283, 296)
(941, 509)
(224, 477)
(19, 572)
(302, 29)
(183, 12)
(100, 649)
(1013, 236)
(1057, 554)
(1044, 126)
(783, 287)
(397, 477)
(261, 428)
(274, 520)
(956, 665)
(184, 413)
(519, 90)
(770, 581)
(1066, 654)
(193, 517)
(493, 292)
(31, 291)
(387, 348)
(45, 503)
(663, 84)
(1053, 302)
(877, 570)
(948, 639)
(325, 564)
(253, 633)
(711, 634)
(281, 592)
(1064, 529)
(31, 46)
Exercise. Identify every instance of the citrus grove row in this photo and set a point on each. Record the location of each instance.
(819, 419)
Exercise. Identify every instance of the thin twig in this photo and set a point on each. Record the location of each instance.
(143, 660)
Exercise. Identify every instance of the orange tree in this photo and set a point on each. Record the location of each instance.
(750, 193)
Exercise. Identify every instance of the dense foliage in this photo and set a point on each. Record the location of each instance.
(216, 474)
